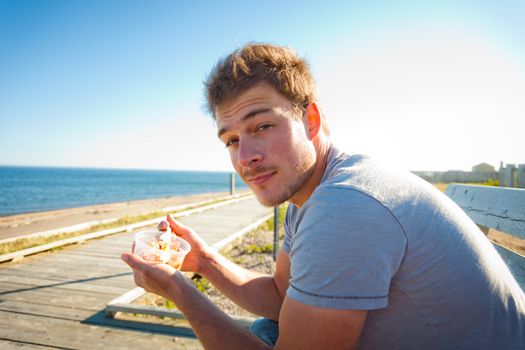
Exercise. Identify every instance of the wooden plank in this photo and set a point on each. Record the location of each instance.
(71, 298)
(69, 255)
(15, 345)
(92, 333)
(222, 243)
(111, 279)
(116, 280)
(69, 269)
(55, 311)
(17, 284)
(57, 288)
(515, 262)
(50, 269)
(500, 208)
(113, 242)
(25, 279)
(78, 257)
(113, 254)
(125, 281)
(71, 258)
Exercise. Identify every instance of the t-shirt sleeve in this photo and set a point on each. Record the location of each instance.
(345, 251)
(287, 228)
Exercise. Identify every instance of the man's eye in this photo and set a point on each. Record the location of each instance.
(264, 127)
(231, 142)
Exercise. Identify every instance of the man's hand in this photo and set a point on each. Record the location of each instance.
(214, 328)
(152, 276)
(199, 249)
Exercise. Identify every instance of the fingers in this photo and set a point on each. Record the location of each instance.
(163, 226)
(176, 226)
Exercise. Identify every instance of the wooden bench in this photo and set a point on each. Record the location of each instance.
(499, 208)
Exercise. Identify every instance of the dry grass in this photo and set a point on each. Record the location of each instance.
(441, 186)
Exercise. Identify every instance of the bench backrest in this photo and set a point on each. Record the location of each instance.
(500, 208)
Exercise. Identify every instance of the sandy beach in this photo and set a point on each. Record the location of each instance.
(24, 224)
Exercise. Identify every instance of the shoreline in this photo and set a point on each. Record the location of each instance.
(29, 223)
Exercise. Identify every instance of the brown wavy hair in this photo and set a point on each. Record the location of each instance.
(255, 63)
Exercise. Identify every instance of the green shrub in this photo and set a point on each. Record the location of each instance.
(201, 283)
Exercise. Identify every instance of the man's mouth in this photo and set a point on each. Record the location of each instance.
(260, 179)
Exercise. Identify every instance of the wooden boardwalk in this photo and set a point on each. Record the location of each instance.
(55, 300)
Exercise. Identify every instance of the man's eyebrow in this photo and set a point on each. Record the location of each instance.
(245, 117)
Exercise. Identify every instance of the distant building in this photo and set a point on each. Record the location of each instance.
(512, 175)
(480, 173)
(509, 175)
(483, 168)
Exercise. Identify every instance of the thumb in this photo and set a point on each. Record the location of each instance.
(132, 260)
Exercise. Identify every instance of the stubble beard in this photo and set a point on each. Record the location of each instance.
(304, 169)
(288, 192)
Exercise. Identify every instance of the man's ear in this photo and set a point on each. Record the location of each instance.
(313, 117)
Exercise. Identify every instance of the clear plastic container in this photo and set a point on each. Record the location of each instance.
(150, 247)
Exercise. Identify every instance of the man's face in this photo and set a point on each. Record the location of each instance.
(268, 143)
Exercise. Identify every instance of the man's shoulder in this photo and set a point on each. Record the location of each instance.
(352, 174)
(339, 202)
(351, 169)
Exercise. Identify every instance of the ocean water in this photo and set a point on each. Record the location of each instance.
(32, 189)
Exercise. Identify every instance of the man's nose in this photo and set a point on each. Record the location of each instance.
(249, 153)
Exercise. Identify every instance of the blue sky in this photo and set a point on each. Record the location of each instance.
(425, 85)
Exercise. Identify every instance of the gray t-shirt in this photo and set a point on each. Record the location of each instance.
(390, 243)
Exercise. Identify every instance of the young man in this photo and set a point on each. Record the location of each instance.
(372, 259)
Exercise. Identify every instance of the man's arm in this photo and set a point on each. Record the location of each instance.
(301, 326)
(258, 293)
(213, 327)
